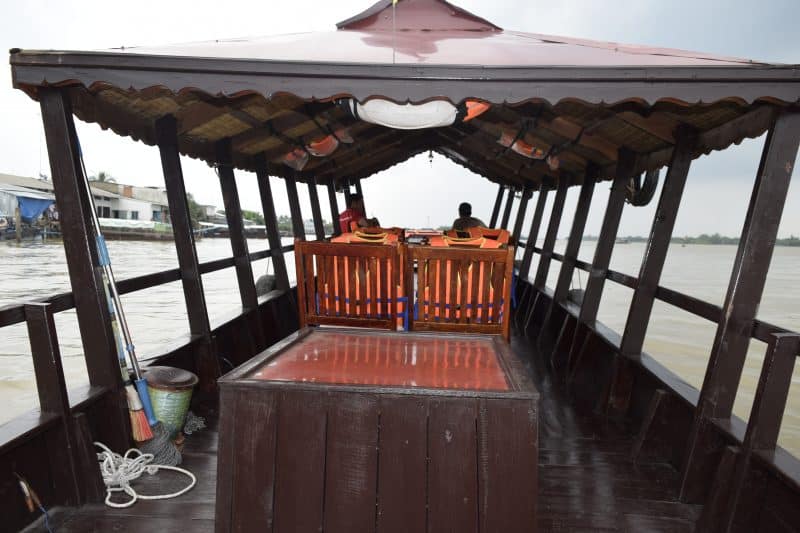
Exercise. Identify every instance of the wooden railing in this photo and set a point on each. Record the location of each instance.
(758, 439)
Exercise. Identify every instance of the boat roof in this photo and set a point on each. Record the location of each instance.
(576, 99)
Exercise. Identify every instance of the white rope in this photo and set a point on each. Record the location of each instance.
(118, 471)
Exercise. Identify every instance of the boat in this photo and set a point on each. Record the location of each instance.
(562, 424)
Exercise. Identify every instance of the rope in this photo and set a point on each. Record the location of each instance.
(119, 471)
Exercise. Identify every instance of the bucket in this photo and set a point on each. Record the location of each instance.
(170, 393)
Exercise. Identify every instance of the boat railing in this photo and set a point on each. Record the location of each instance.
(56, 404)
(755, 440)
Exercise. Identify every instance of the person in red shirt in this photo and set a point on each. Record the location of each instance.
(355, 213)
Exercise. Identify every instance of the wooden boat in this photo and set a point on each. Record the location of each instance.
(619, 442)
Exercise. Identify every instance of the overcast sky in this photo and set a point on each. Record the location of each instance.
(719, 185)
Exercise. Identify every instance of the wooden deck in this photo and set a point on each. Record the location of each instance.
(586, 480)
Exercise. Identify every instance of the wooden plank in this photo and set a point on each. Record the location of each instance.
(533, 233)
(271, 223)
(254, 462)
(226, 454)
(507, 210)
(351, 463)
(316, 212)
(507, 465)
(452, 472)
(523, 206)
(300, 462)
(298, 230)
(81, 252)
(233, 214)
(302, 282)
(373, 289)
(52, 389)
(496, 209)
(403, 465)
(658, 243)
(334, 209)
(551, 235)
(607, 237)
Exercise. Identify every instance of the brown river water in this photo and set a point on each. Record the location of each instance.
(678, 340)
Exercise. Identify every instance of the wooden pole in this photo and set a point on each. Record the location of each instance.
(233, 214)
(626, 161)
(196, 309)
(657, 246)
(575, 237)
(550, 237)
(334, 209)
(316, 212)
(746, 285)
(533, 233)
(91, 305)
(507, 210)
(496, 208)
(298, 229)
(361, 193)
(527, 192)
(271, 223)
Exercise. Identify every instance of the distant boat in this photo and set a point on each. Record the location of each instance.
(622, 240)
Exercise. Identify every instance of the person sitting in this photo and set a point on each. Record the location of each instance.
(465, 219)
(355, 214)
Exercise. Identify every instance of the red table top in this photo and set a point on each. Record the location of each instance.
(380, 359)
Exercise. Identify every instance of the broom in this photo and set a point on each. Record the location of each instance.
(139, 407)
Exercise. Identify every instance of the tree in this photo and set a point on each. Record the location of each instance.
(103, 177)
(196, 211)
(255, 216)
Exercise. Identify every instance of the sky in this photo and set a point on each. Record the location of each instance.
(419, 192)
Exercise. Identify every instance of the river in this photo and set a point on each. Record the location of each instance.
(675, 338)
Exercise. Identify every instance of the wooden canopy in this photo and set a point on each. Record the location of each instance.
(572, 102)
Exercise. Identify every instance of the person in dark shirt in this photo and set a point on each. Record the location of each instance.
(465, 219)
(355, 213)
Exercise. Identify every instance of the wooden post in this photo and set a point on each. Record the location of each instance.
(53, 398)
(361, 193)
(316, 212)
(346, 189)
(91, 306)
(298, 229)
(207, 364)
(334, 208)
(608, 236)
(496, 208)
(523, 206)
(575, 237)
(550, 237)
(533, 234)
(233, 214)
(744, 294)
(17, 224)
(271, 222)
(507, 210)
(764, 423)
(657, 246)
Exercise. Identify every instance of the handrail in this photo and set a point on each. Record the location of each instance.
(15, 313)
(762, 331)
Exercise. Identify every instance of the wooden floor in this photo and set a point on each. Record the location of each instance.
(586, 480)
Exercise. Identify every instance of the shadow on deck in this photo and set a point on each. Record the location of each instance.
(587, 481)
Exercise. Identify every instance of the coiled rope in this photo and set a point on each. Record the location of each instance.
(119, 471)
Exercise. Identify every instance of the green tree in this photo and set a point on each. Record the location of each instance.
(255, 216)
(103, 177)
(196, 211)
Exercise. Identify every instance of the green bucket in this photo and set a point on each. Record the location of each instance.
(170, 393)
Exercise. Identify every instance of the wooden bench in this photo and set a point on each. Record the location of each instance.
(352, 285)
(460, 290)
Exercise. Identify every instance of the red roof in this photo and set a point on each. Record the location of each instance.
(437, 33)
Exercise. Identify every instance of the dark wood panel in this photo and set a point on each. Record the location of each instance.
(403, 457)
(507, 436)
(254, 462)
(300, 463)
(452, 488)
(351, 463)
